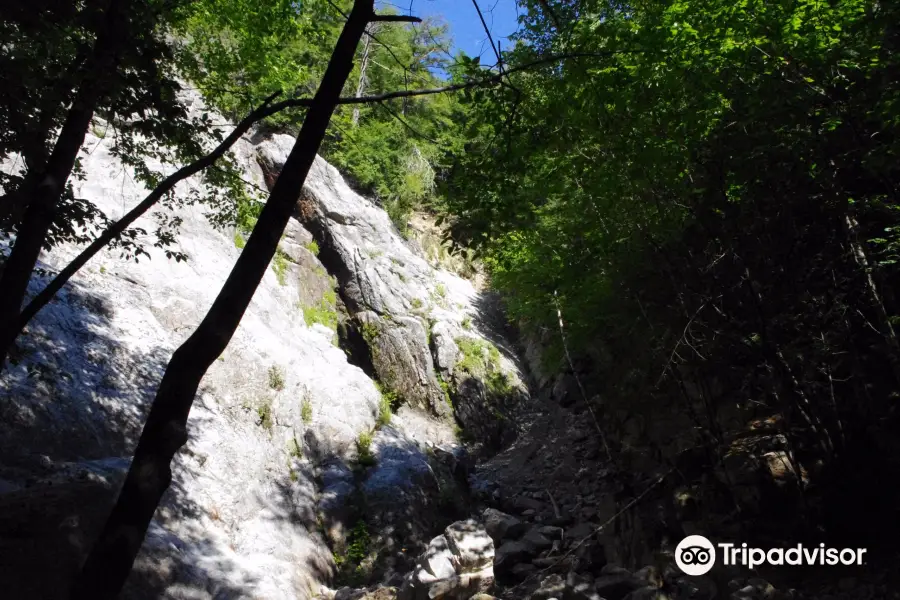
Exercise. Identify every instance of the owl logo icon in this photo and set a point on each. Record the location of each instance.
(695, 555)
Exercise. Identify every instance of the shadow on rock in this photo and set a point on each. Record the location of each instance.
(72, 405)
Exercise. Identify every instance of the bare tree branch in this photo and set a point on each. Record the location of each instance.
(395, 19)
(487, 31)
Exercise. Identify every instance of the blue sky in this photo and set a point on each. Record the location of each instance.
(468, 34)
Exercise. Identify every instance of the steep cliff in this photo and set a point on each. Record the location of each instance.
(330, 413)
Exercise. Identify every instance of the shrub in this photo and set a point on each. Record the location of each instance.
(276, 378)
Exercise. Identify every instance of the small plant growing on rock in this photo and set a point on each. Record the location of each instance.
(323, 314)
(98, 129)
(364, 449)
(280, 264)
(313, 247)
(384, 411)
(389, 402)
(276, 378)
(239, 241)
(416, 303)
(350, 562)
(264, 416)
(306, 410)
(369, 332)
(482, 360)
(294, 449)
(439, 295)
(446, 389)
(467, 323)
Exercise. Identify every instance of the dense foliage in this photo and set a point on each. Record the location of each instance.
(708, 192)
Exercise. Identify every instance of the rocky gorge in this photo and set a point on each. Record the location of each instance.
(376, 429)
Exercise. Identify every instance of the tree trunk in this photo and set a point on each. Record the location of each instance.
(43, 189)
(107, 567)
(859, 255)
(116, 229)
(363, 68)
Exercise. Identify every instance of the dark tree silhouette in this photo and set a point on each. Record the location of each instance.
(42, 190)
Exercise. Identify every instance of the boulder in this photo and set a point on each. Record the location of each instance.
(455, 566)
(444, 348)
(500, 525)
(471, 544)
(511, 553)
(536, 541)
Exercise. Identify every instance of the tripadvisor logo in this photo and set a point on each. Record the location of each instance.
(696, 555)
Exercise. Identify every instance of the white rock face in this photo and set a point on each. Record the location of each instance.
(272, 425)
(410, 313)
